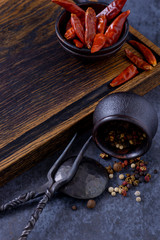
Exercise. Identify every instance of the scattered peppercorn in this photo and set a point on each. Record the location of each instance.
(113, 194)
(135, 183)
(125, 162)
(146, 178)
(74, 207)
(137, 193)
(110, 189)
(111, 175)
(120, 191)
(116, 189)
(138, 199)
(104, 155)
(91, 203)
(155, 171)
(121, 176)
(133, 165)
(124, 183)
(117, 167)
(124, 193)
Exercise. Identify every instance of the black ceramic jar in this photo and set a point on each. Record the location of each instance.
(120, 109)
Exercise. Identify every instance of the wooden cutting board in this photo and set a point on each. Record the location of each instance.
(45, 94)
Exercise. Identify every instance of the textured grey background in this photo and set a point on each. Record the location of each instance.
(113, 218)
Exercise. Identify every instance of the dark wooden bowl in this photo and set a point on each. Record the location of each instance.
(85, 53)
(130, 108)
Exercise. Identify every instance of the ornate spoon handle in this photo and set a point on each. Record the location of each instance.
(35, 216)
(17, 201)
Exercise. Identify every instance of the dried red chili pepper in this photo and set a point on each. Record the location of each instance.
(149, 56)
(90, 26)
(68, 25)
(113, 9)
(70, 34)
(139, 62)
(114, 31)
(77, 43)
(98, 42)
(124, 76)
(102, 24)
(78, 28)
(70, 7)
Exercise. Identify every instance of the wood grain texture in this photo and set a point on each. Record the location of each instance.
(45, 94)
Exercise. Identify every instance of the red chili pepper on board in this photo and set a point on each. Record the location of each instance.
(149, 56)
(90, 26)
(78, 28)
(114, 31)
(70, 7)
(113, 9)
(78, 43)
(102, 24)
(124, 76)
(139, 62)
(70, 34)
(98, 42)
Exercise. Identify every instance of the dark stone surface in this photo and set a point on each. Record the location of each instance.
(115, 218)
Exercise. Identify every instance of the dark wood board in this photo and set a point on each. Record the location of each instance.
(45, 94)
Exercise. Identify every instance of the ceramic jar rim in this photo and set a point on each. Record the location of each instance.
(125, 118)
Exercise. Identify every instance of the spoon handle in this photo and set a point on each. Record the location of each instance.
(35, 216)
(18, 201)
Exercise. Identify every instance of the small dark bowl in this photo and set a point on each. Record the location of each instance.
(130, 108)
(85, 53)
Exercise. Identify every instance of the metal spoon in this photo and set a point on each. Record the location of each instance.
(90, 180)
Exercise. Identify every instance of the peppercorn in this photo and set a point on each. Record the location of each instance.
(74, 207)
(124, 183)
(127, 175)
(143, 168)
(136, 182)
(120, 190)
(138, 199)
(113, 194)
(129, 181)
(117, 167)
(123, 165)
(147, 179)
(125, 188)
(155, 171)
(133, 165)
(109, 167)
(104, 155)
(121, 176)
(110, 175)
(124, 193)
(91, 203)
(110, 171)
(132, 177)
(149, 175)
(125, 162)
(131, 161)
(116, 189)
(110, 189)
(137, 193)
